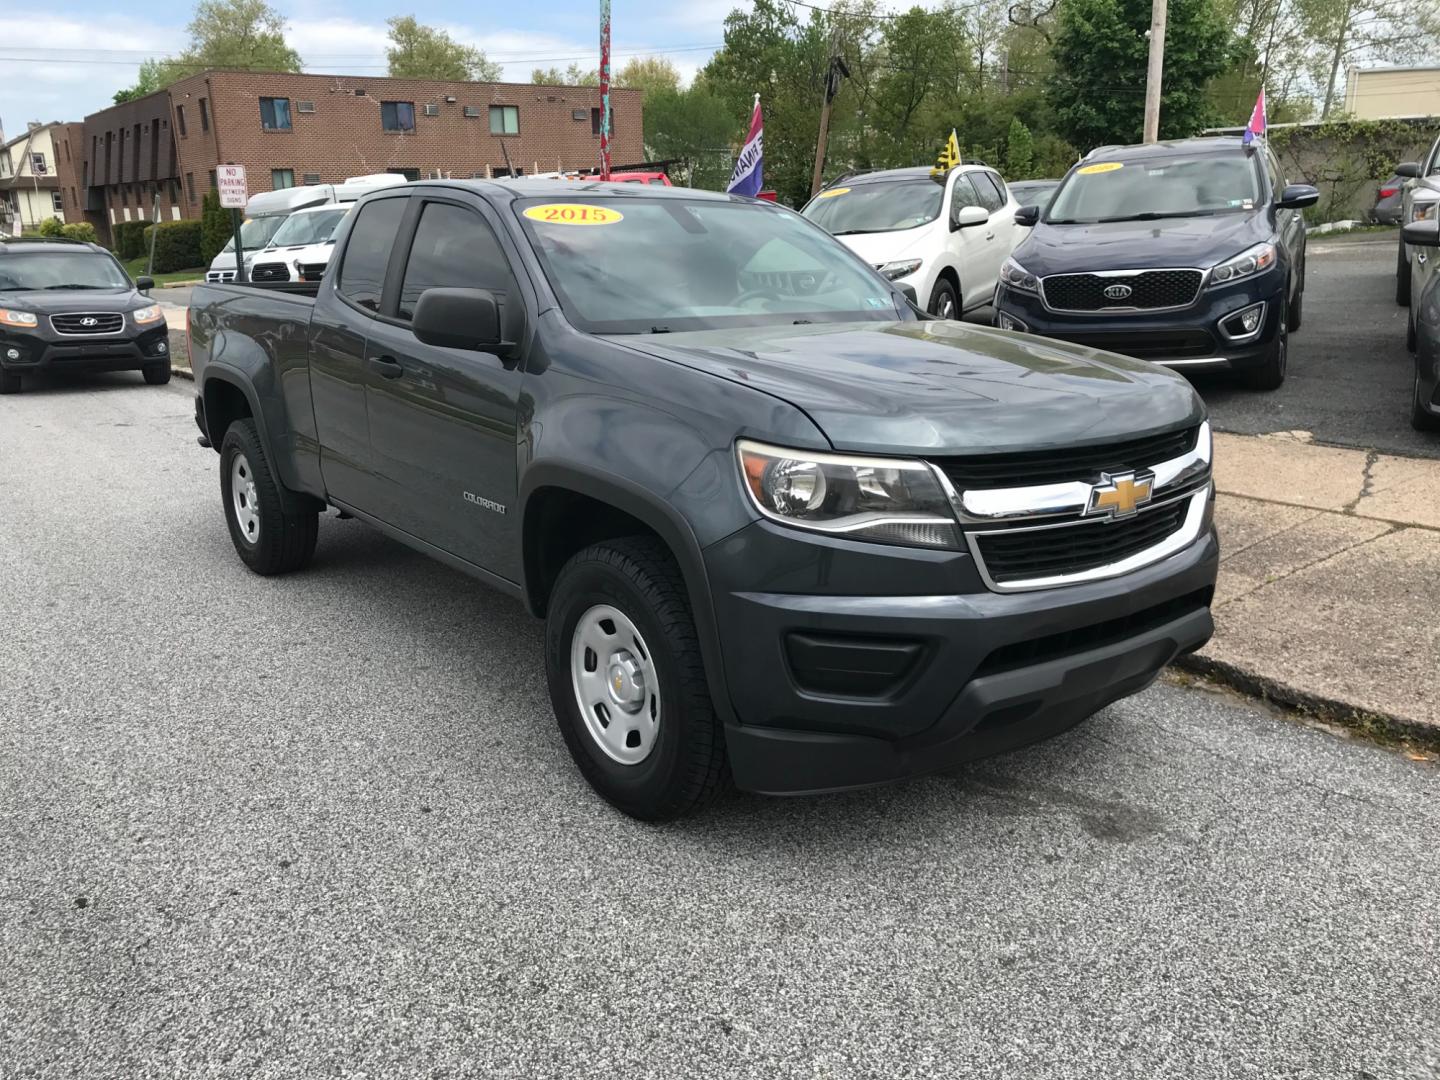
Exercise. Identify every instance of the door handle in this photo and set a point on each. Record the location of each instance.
(989, 236)
(387, 366)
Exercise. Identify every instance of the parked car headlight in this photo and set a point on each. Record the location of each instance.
(899, 269)
(894, 500)
(147, 315)
(18, 318)
(1257, 260)
(1017, 277)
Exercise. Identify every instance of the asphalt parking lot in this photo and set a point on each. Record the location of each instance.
(324, 825)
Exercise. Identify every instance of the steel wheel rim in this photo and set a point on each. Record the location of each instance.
(243, 498)
(616, 686)
(947, 307)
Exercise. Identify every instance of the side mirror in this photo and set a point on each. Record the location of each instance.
(1422, 233)
(1027, 216)
(144, 283)
(459, 319)
(969, 217)
(1408, 168)
(1296, 196)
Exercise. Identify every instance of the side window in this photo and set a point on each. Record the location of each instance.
(963, 195)
(1277, 183)
(1434, 165)
(367, 253)
(992, 198)
(454, 248)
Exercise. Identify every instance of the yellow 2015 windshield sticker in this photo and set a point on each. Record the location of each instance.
(832, 193)
(1103, 166)
(573, 214)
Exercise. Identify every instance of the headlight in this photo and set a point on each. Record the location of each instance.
(1257, 260)
(18, 318)
(1423, 211)
(894, 270)
(893, 500)
(1017, 277)
(147, 315)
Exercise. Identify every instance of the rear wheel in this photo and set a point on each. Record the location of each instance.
(1421, 419)
(944, 303)
(268, 537)
(1270, 373)
(1402, 277)
(9, 382)
(156, 374)
(627, 682)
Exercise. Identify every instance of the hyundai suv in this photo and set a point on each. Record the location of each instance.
(1190, 254)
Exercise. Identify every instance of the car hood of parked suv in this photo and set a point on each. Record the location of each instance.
(882, 247)
(940, 387)
(1132, 245)
(60, 301)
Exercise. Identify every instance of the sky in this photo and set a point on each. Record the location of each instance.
(90, 49)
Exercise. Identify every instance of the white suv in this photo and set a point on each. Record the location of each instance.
(946, 237)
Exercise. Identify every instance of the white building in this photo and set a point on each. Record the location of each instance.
(1386, 93)
(29, 180)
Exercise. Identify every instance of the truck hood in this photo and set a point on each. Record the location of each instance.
(43, 302)
(1134, 245)
(940, 387)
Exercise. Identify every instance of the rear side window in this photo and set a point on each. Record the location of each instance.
(362, 274)
(991, 197)
(454, 248)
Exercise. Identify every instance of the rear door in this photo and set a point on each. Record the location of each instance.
(443, 422)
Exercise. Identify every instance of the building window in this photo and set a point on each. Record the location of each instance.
(37, 164)
(180, 120)
(595, 122)
(275, 113)
(504, 120)
(57, 201)
(190, 187)
(409, 174)
(310, 178)
(282, 178)
(397, 115)
(204, 115)
(211, 177)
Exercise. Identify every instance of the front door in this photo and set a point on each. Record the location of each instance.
(442, 420)
(972, 246)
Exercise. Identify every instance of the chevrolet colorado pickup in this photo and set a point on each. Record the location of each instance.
(781, 528)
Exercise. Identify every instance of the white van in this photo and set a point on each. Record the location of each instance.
(300, 248)
(267, 211)
(945, 237)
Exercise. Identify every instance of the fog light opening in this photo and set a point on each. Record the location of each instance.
(162, 348)
(1245, 323)
(12, 354)
(1009, 322)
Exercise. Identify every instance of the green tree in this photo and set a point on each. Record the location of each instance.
(1100, 56)
(216, 227)
(574, 75)
(247, 34)
(693, 127)
(1019, 151)
(417, 51)
(648, 73)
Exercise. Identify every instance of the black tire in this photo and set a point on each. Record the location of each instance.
(1410, 330)
(1402, 277)
(1296, 309)
(1420, 418)
(686, 767)
(156, 374)
(285, 539)
(942, 294)
(1270, 373)
(9, 382)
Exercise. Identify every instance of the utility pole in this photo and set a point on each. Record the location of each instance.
(1156, 70)
(838, 70)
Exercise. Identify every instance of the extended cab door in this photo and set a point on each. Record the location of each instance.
(443, 421)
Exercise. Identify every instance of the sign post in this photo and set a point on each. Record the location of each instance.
(154, 221)
(234, 193)
(604, 89)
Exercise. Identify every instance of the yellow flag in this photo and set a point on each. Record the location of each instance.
(949, 156)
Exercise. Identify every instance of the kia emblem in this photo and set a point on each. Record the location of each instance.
(1118, 292)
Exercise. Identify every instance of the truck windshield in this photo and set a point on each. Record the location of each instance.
(651, 265)
(256, 232)
(61, 270)
(1158, 187)
(877, 206)
(304, 229)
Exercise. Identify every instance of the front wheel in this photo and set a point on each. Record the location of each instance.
(1295, 311)
(9, 382)
(1410, 331)
(944, 303)
(627, 682)
(1402, 277)
(1421, 418)
(1270, 373)
(268, 537)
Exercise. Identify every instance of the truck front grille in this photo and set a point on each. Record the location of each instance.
(270, 272)
(1030, 468)
(88, 323)
(1150, 290)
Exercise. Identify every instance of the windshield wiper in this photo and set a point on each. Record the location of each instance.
(659, 330)
(856, 232)
(1156, 215)
(49, 287)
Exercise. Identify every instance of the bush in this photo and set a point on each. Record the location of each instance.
(216, 227)
(80, 230)
(52, 226)
(129, 239)
(177, 245)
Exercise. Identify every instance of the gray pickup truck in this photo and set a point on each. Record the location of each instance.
(780, 527)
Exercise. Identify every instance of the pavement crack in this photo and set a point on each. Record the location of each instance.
(1271, 536)
(1389, 528)
(1367, 481)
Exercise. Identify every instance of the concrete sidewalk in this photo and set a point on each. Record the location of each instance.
(1329, 592)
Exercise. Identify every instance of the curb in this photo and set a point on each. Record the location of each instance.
(183, 372)
(1383, 728)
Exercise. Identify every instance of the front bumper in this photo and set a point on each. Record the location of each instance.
(860, 664)
(1190, 338)
(126, 351)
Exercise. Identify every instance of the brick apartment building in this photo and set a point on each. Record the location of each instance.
(291, 129)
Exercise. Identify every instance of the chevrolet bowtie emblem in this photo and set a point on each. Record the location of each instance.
(1120, 494)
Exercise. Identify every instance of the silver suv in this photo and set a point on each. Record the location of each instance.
(1420, 202)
